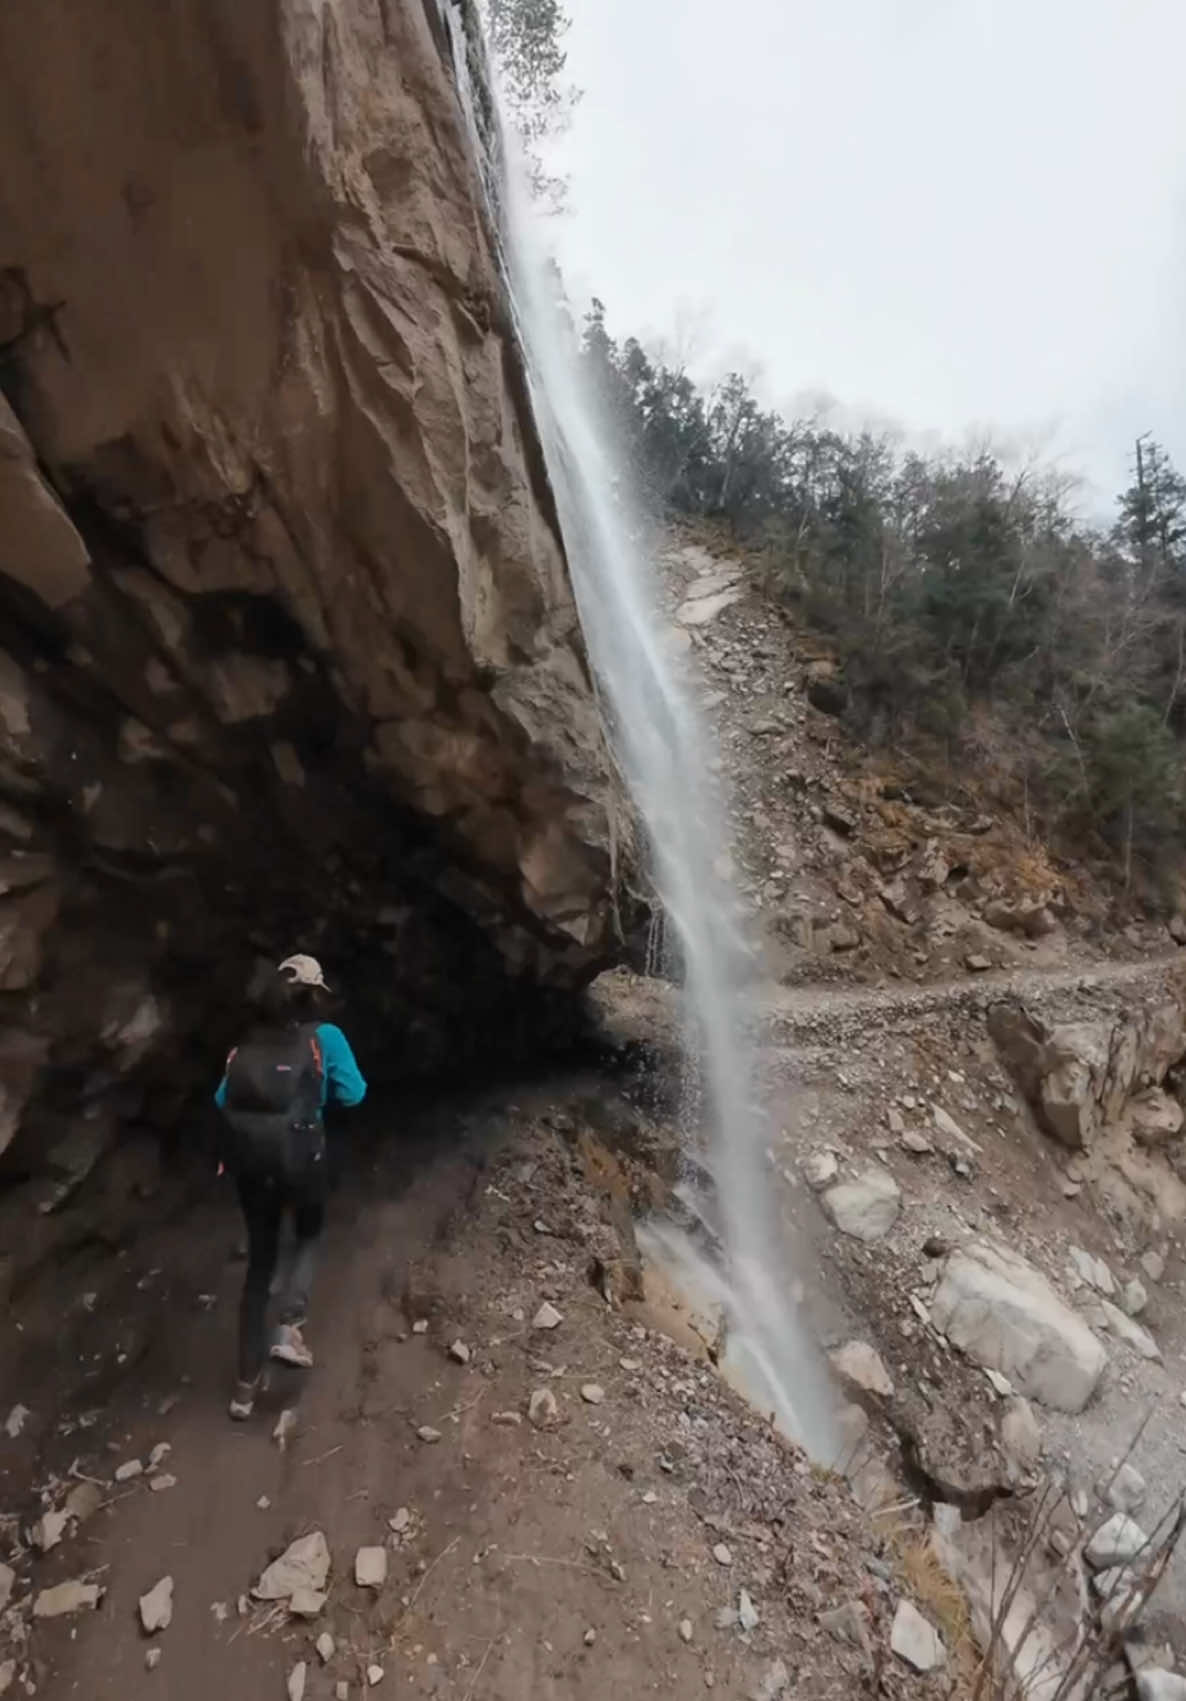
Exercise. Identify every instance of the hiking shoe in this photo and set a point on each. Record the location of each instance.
(289, 1347)
(243, 1400)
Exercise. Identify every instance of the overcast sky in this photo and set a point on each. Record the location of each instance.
(953, 213)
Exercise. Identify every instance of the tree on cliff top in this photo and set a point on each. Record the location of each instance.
(526, 38)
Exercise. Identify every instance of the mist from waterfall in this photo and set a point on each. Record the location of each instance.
(664, 756)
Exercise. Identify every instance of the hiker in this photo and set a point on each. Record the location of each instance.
(273, 1095)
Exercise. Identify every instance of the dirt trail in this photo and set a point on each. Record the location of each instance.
(555, 1562)
(804, 1007)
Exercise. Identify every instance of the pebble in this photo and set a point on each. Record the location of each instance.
(296, 1681)
(15, 1422)
(156, 1607)
(341, 1692)
(428, 1434)
(420, 1326)
(630, 1364)
(543, 1410)
(374, 1675)
(161, 1481)
(65, 1598)
(747, 1612)
(506, 1420)
(590, 1638)
(152, 1659)
(263, 1503)
(326, 1647)
(459, 1352)
(370, 1567)
(129, 1470)
(722, 1554)
(49, 1530)
(547, 1317)
(158, 1455)
(401, 1521)
(592, 1393)
(685, 1629)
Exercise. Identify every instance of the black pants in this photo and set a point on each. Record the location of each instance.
(265, 1199)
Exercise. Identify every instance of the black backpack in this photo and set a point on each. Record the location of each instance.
(273, 1107)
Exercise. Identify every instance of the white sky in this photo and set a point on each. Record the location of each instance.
(957, 214)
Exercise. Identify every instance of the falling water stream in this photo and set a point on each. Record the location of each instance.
(662, 753)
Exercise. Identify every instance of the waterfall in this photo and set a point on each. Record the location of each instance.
(662, 753)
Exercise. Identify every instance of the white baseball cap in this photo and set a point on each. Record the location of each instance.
(303, 971)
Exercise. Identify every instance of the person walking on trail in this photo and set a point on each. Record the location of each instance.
(273, 1095)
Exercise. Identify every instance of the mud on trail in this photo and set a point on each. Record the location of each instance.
(606, 1545)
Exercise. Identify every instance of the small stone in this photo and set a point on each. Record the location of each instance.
(1114, 1543)
(374, 1675)
(916, 1144)
(592, 1393)
(420, 1326)
(326, 1647)
(158, 1455)
(7, 1584)
(590, 1638)
(459, 1352)
(630, 1365)
(747, 1612)
(1153, 1264)
(152, 1659)
(428, 1434)
(685, 1629)
(296, 1681)
(1133, 1298)
(866, 1208)
(341, 1692)
(161, 1481)
(130, 1470)
(263, 1504)
(1000, 1384)
(978, 965)
(820, 1168)
(156, 1607)
(859, 1363)
(66, 1598)
(723, 1554)
(401, 1521)
(16, 1420)
(506, 1420)
(542, 1409)
(49, 1530)
(1126, 1492)
(916, 1641)
(304, 1564)
(547, 1317)
(370, 1567)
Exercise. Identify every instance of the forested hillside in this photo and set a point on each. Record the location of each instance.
(978, 617)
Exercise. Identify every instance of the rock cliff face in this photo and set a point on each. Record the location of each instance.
(289, 657)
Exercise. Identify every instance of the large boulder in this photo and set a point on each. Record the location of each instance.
(1081, 1076)
(289, 654)
(1004, 1314)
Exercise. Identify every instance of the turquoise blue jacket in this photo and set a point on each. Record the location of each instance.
(342, 1082)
